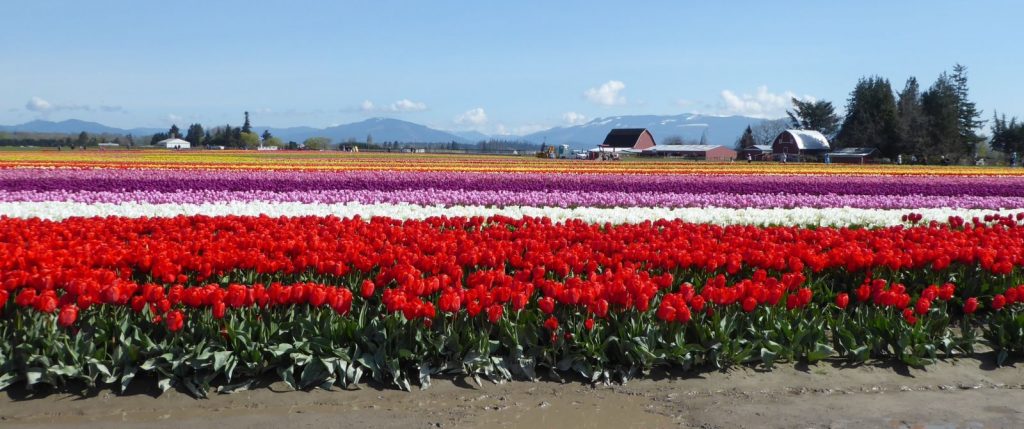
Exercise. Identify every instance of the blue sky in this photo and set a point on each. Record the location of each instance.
(497, 67)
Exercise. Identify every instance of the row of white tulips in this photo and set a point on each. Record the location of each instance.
(722, 216)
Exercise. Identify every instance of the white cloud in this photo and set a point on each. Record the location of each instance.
(401, 106)
(520, 130)
(762, 104)
(407, 105)
(174, 119)
(473, 117)
(37, 104)
(573, 118)
(608, 94)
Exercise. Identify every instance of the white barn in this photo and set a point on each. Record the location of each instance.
(174, 143)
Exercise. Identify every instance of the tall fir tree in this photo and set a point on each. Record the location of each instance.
(246, 127)
(747, 139)
(968, 116)
(871, 119)
(1007, 135)
(940, 107)
(814, 115)
(194, 135)
(913, 126)
(174, 132)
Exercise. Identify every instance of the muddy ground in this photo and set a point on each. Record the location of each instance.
(966, 393)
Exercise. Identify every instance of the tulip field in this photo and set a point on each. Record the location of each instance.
(208, 270)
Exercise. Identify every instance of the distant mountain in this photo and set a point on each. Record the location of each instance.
(74, 126)
(386, 129)
(476, 136)
(721, 130)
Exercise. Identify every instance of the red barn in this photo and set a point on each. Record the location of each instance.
(629, 138)
(798, 143)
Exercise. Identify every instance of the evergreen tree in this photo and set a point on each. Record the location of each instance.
(871, 119)
(968, 116)
(913, 126)
(266, 135)
(157, 138)
(83, 139)
(131, 141)
(940, 107)
(747, 139)
(1007, 136)
(369, 139)
(174, 132)
(246, 127)
(195, 134)
(814, 115)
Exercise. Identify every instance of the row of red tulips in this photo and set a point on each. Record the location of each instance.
(320, 300)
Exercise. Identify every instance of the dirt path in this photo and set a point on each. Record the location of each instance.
(965, 394)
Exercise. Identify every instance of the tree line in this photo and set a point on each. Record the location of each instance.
(940, 121)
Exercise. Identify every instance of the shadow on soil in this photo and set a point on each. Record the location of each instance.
(146, 385)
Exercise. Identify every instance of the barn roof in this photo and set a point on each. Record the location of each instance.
(855, 151)
(172, 142)
(759, 147)
(683, 148)
(809, 139)
(624, 137)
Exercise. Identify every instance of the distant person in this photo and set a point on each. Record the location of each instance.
(1013, 160)
(749, 159)
(899, 159)
(783, 158)
(828, 159)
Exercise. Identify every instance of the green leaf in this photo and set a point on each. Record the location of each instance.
(126, 377)
(313, 374)
(425, 372)
(821, 351)
(768, 357)
(8, 379)
(220, 360)
(33, 376)
(164, 383)
(287, 374)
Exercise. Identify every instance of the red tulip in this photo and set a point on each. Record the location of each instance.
(923, 305)
(842, 300)
(68, 315)
(366, 289)
(971, 305)
(589, 324)
(219, 308)
(175, 320)
(749, 304)
(546, 304)
(908, 315)
(551, 323)
(494, 313)
(998, 302)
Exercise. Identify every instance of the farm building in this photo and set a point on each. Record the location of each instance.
(629, 138)
(854, 155)
(796, 144)
(758, 152)
(611, 152)
(693, 151)
(173, 143)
